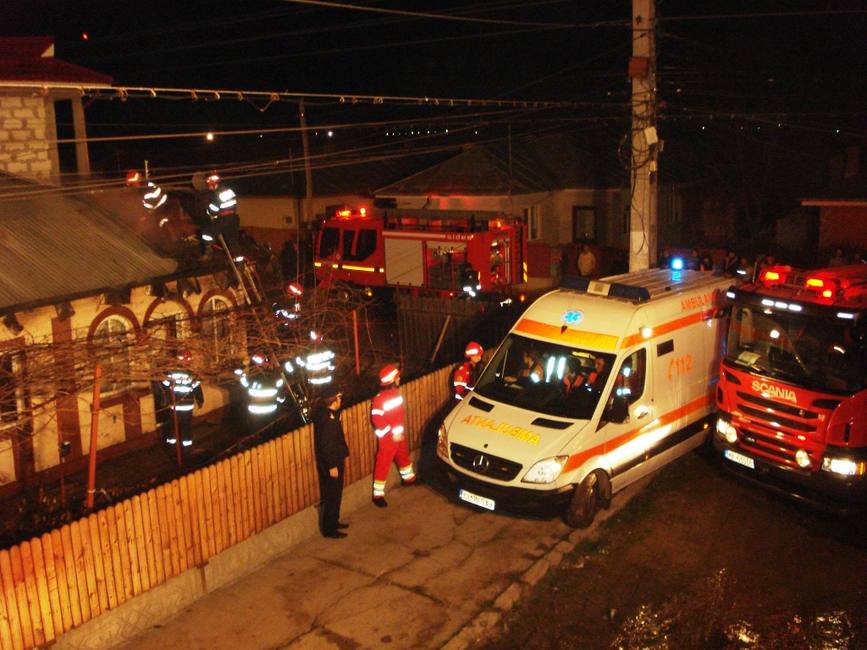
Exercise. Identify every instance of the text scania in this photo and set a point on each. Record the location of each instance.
(775, 391)
(504, 428)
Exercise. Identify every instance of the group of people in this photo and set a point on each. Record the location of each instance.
(732, 265)
(331, 450)
(389, 428)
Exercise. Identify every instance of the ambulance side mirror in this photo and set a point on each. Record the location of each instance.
(617, 410)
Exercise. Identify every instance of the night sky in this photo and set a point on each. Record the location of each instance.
(803, 75)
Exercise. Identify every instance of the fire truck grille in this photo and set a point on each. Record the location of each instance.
(773, 427)
(781, 408)
(484, 464)
(772, 419)
(769, 446)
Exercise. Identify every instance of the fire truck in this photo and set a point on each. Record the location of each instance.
(448, 251)
(792, 393)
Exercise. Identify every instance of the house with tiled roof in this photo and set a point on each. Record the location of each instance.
(84, 280)
(842, 205)
(28, 130)
(565, 193)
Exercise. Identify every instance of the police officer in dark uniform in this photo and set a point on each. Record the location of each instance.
(331, 451)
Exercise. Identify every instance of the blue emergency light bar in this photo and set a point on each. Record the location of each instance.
(610, 289)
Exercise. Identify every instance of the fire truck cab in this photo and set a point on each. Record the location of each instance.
(448, 251)
(792, 394)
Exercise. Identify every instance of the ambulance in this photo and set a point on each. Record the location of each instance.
(598, 384)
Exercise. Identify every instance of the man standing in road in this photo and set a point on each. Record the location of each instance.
(386, 415)
(331, 450)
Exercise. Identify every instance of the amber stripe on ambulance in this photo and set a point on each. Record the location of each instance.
(581, 338)
(576, 460)
(665, 328)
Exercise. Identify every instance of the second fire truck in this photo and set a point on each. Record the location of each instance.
(792, 394)
(450, 252)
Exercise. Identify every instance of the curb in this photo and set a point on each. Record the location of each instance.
(483, 626)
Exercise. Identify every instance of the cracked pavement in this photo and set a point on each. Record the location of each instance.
(408, 576)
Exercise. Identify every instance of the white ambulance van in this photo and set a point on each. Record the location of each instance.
(596, 385)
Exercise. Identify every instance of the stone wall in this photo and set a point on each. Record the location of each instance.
(25, 132)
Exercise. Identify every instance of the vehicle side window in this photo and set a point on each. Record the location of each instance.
(365, 245)
(328, 242)
(630, 377)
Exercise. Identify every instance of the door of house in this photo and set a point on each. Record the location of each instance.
(583, 224)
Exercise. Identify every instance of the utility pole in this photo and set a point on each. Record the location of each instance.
(644, 140)
(308, 175)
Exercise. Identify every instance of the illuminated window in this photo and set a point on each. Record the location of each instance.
(217, 330)
(534, 222)
(111, 344)
(8, 386)
(167, 327)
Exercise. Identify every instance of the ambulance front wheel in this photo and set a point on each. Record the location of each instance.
(585, 502)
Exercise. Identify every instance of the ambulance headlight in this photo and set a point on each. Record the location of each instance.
(843, 466)
(725, 430)
(546, 471)
(443, 441)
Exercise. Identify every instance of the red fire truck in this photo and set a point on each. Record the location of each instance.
(448, 251)
(792, 394)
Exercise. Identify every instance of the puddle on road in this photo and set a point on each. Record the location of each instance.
(702, 619)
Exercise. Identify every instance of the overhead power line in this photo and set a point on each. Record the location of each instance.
(763, 14)
(463, 19)
(122, 93)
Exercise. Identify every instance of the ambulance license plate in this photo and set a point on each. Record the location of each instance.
(740, 459)
(476, 500)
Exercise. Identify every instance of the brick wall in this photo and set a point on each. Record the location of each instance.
(24, 135)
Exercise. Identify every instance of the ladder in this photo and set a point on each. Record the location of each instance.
(253, 295)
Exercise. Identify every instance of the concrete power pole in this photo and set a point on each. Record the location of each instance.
(643, 170)
(307, 215)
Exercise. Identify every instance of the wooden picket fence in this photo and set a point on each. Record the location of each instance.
(71, 575)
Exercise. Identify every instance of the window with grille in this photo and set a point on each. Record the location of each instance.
(168, 326)
(111, 345)
(217, 330)
(8, 397)
(534, 222)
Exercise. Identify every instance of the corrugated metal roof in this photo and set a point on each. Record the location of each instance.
(53, 246)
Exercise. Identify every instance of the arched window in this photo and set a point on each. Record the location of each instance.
(217, 328)
(168, 326)
(8, 392)
(111, 345)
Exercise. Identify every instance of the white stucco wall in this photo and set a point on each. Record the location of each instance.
(37, 333)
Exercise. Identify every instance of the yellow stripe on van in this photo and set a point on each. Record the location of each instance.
(580, 338)
(577, 460)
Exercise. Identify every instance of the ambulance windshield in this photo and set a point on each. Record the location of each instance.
(827, 354)
(546, 377)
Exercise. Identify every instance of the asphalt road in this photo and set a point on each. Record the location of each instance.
(700, 559)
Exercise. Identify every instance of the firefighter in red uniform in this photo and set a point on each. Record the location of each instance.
(386, 415)
(466, 374)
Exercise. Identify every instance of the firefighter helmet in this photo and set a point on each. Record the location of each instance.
(389, 374)
(213, 180)
(134, 178)
(294, 289)
(259, 358)
(473, 349)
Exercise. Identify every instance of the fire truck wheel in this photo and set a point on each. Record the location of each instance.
(584, 504)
